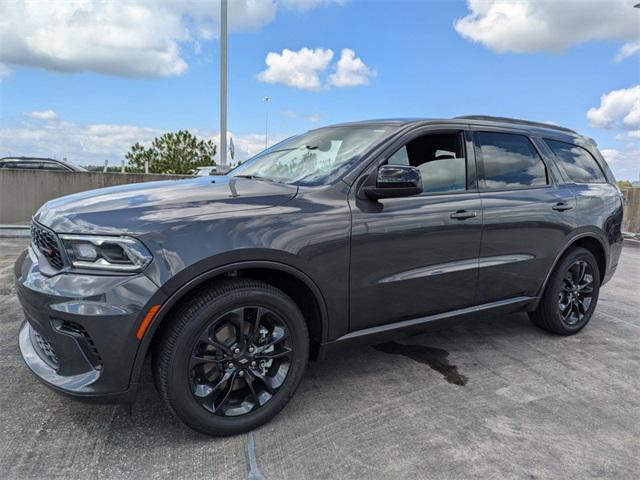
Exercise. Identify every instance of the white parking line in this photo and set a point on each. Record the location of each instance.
(254, 472)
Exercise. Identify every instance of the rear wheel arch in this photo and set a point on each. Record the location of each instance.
(597, 250)
(570, 298)
(589, 241)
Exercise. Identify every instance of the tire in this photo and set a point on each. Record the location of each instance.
(196, 364)
(568, 302)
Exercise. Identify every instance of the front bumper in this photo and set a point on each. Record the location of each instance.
(79, 336)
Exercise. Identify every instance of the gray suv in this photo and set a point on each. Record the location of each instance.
(232, 283)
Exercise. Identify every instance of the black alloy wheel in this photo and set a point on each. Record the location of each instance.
(240, 361)
(576, 294)
(571, 294)
(231, 356)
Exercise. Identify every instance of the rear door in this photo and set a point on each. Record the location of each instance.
(527, 214)
(416, 256)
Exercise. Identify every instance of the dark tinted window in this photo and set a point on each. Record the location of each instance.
(577, 162)
(440, 159)
(23, 165)
(53, 166)
(510, 161)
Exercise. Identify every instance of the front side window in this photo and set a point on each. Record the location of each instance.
(577, 162)
(24, 165)
(440, 159)
(314, 157)
(509, 161)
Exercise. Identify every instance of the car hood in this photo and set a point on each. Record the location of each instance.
(152, 206)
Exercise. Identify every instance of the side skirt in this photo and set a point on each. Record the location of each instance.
(501, 307)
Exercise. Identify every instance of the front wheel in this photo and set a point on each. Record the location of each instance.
(231, 357)
(570, 297)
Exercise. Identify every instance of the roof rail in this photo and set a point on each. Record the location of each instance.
(518, 121)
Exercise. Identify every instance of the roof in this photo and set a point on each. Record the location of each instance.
(481, 120)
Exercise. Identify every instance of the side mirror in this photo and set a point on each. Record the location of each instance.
(395, 181)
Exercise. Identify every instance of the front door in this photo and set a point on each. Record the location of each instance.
(417, 256)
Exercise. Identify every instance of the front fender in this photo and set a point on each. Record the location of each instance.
(176, 288)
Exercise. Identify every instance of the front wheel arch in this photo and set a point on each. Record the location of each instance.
(318, 329)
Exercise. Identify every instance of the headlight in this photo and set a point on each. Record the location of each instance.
(120, 254)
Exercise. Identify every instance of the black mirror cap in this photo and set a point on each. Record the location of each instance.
(395, 181)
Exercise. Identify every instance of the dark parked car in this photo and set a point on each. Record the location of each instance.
(35, 163)
(231, 283)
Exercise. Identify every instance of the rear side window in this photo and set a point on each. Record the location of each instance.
(52, 166)
(577, 163)
(509, 161)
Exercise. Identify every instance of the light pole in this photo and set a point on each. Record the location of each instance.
(223, 83)
(266, 120)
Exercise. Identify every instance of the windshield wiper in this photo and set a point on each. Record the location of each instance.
(250, 177)
(257, 177)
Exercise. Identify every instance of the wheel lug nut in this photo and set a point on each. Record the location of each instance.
(230, 365)
(241, 373)
(237, 350)
(253, 364)
(251, 349)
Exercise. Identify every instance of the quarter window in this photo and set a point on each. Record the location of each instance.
(509, 161)
(577, 163)
(440, 159)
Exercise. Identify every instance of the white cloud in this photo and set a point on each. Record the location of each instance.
(350, 71)
(314, 118)
(618, 109)
(306, 5)
(625, 163)
(301, 69)
(92, 144)
(547, 25)
(82, 144)
(627, 50)
(136, 38)
(306, 69)
(610, 154)
(46, 115)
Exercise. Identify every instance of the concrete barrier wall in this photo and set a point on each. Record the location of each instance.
(22, 192)
(631, 221)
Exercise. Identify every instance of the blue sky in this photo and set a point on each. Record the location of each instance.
(408, 59)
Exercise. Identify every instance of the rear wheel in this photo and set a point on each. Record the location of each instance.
(570, 297)
(231, 357)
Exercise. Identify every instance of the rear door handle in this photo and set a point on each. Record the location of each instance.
(562, 206)
(463, 215)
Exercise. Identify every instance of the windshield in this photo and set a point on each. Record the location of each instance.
(313, 157)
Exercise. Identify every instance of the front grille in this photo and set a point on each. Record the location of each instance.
(47, 350)
(84, 339)
(47, 243)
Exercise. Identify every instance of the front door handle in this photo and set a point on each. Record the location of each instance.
(462, 215)
(562, 206)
